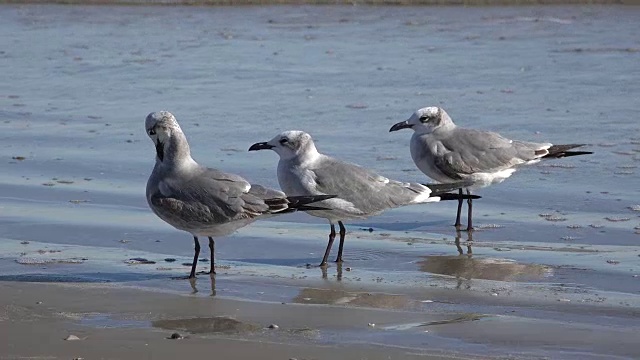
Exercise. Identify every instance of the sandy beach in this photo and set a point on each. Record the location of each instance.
(110, 322)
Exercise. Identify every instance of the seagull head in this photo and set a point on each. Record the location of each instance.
(425, 120)
(161, 126)
(289, 144)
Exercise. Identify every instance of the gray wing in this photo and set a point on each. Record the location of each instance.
(209, 197)
(468, 151)
(367, 190)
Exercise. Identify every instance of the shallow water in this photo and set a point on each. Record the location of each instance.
(558, 240)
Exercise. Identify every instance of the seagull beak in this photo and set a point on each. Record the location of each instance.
(261, 146)
(159, 150)
(401, 125)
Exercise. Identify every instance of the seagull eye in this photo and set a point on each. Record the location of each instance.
(424, 119)
(283, 141)
(152, 131)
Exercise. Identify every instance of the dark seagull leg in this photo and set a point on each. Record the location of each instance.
(469, 214)
(457, 224)
(195, 257)
(343, 232)
(212, 246)
(332, 236)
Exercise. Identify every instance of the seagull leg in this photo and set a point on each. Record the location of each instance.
(469, 214)
(343, 232)
(457, 224)
(332, 236)
(212, 246)
(195, 257)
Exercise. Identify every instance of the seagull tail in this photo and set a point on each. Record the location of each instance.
(454, 196)
(297, 203)
(560, 151)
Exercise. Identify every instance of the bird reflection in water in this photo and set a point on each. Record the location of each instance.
(194, 289)
(465, 267)
(325, 275)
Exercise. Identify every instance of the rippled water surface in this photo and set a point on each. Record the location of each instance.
(556, 241)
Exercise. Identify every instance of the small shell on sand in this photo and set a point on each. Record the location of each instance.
(72, 338)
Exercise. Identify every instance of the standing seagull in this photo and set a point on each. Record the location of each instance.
(204, 201)
(361, 193)
(448, 153)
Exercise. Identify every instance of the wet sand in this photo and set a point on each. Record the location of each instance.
(35, 320)
(123, 323)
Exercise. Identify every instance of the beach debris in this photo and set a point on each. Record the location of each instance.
(19, 158)
(72, 338)
(564, 300)
(371, 325)
(64, 181)
(596, 226)
(634, 208)
(568, 238)
(574, 226)
(274, 327)
(358, 106)
(348, 269)
(170, 260)
(426, 301)
(124, 241)
(176, 336)
(38, 302)
(613, 262)
(48, 184)
(367, 229)
(139, 261)
(24, 242)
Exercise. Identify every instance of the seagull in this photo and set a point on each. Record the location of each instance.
(205, 201)
(448, 153)
(303, 171)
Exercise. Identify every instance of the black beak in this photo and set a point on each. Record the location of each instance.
(159, 150)
(401, 125)
(260, 146)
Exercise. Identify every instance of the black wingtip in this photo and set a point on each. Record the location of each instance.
(300, 201)
(452, 196)
(560, 151)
